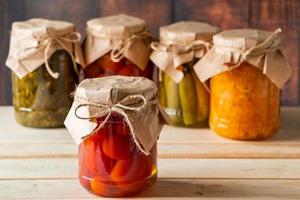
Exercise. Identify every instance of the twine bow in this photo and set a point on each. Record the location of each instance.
(45, 44)
(124, 104)
(181, 49)
(264, 47)
(105, 110)
(122, 45)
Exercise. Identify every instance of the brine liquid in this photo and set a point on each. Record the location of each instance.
(104, 66)
(110, 163)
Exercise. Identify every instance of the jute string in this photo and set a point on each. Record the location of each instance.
(43, 43)
(181, 49)
(262, 48)
(106, 111)
(122, 45)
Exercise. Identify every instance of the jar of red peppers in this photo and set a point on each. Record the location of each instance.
(246, 69)
(116, 121)
(117, 45)
(181, 93)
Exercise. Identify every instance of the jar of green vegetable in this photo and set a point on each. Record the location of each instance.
(44, 56)
(181, 93)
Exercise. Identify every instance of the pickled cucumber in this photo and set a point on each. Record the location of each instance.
(188, 99)
(41, 101)
(202, 99)
(172, 101)
(161, 90)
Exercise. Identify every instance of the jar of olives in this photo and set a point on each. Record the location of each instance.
(181, 93)
(116, 121)
(117, 45)
(43, 56)
(246, 70)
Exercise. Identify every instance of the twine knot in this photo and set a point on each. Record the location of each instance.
(181, 49)
(264, 47)
(121, 47)
(46, 43)
(71, 38)
(131, 103)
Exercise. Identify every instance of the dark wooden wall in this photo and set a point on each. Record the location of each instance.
(263, 14)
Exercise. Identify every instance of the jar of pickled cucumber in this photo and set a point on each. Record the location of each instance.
(246, 70)
(42, 59)
(109, 120)
(117, 45)
(184, 97)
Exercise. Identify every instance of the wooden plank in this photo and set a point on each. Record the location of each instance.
(21, 150)
(45, 150)
(75, 11)
(155, 12)
(222, 13)
(164, 189)
(71, 10)
(9, 11)
(21, 142)
(228, 151)
(271, 14)
(37, 169)
(12, 132)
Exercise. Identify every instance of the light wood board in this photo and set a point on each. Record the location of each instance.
(193, 163)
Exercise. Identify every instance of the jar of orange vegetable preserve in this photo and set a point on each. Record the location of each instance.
(247, 70)
(116, 121)
(117, 45)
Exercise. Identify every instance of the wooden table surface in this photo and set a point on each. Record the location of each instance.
(193, 164)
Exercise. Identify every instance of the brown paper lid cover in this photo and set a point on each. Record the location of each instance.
(134, 98)
(233, 47)
(116, 25)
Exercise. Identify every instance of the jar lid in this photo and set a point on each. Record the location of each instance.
(186, 32)
(41, 27)
(181, 43)
(134, 98)
(33, 41)
(233, 47)
(111, 90)
(122, 36)
(244, 39)
(117, 26)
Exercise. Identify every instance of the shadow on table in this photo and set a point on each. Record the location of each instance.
(290, 118)
(289, 127)
(173, 188)
(211, 188)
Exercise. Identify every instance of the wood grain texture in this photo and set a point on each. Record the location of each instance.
(42, 164)
(249, 150)
(155, 12)
(173, 143)
(10, 11)
(221, 13)
(263, 14)
(67, 168)
(75, 11)
(12, 132)
(271, 14)
(163, 189)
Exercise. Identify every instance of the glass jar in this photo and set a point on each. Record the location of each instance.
(42, 101)
(110, 163)
(181, 45)
(245, 104)
(104, 66)
(186, 103)
(117, 45)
